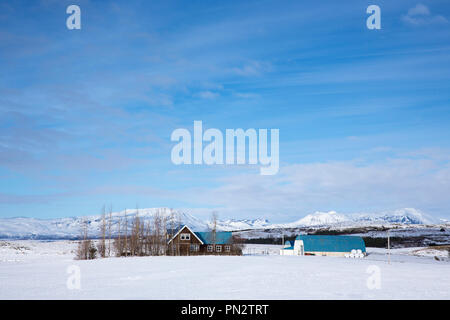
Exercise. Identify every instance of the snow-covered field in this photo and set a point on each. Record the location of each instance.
(39, 270)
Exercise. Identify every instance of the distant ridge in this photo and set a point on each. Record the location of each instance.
(332, 218)
(70, 228)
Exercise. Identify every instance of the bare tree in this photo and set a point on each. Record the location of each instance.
(213, 227)
(126, 234)
(91, 249)
(147, 247)
(172, 227)
(164, 235)
(143, 236)
(81, 250)
(86, 248)
(101, 247)
(135, 236)
(237, 245)
(109, 230)
(118, 245)
(177, 243)
(156, 234)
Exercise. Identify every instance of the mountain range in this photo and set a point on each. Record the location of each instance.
(71, 228)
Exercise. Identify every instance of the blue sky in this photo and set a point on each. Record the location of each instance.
(86, 115)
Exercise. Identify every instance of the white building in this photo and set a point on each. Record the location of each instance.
(324, 246)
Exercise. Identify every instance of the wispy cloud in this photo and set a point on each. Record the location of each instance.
(421, 15)
(246, 95)
(208, 95)
(89, 114)
(253, 68)
(344, 186)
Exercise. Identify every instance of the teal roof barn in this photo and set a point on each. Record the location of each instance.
(319, 243)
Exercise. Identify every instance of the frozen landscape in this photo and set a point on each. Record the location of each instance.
(46, 269)
(70, 227)
(31, 269)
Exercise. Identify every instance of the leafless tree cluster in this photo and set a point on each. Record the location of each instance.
(86, 248)
(101, 246)
(135, 236)
(143, 238)
(237, 246)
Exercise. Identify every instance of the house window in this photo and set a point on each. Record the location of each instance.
(227, 248)
(185, 236)
(195, 247)
(218, 248)
(210, 248)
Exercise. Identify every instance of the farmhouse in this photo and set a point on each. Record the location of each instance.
(188, 242)
(323, 245)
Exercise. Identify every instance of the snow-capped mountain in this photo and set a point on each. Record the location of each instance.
(332, 218)
(407, 216)
(321, 218)
(400, 216)
(69, 228)
(232, 224)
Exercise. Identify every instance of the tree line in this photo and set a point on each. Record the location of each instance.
(136, 238)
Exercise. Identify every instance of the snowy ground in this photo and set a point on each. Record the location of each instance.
(39, 270)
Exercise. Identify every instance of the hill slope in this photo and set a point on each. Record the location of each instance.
(70, 228)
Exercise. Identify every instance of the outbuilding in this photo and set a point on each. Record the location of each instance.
(319, 245)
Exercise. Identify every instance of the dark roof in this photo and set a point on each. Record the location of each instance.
(313, 243)
(222, 237)
(178, 230)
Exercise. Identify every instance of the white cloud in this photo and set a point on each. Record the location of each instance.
(419, 9)
(208, 95)
(253, 68)
(243, 95)
(349, 186)
(421, 15)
